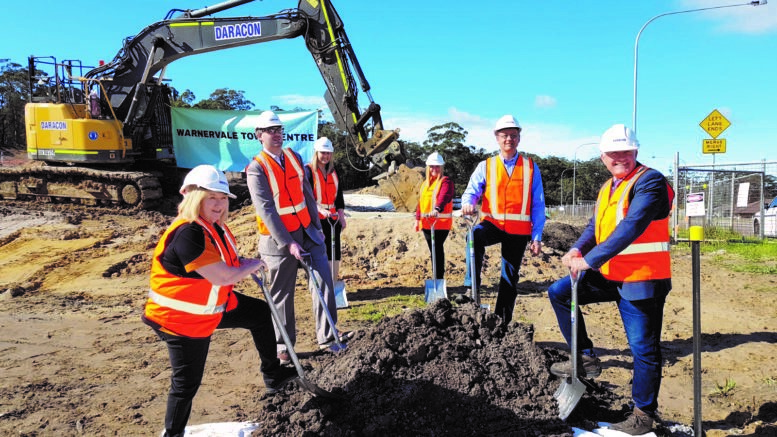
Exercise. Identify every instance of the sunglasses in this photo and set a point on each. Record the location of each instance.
(274, 130)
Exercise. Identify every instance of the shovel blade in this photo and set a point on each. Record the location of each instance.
(568, 395)
(340, 297)
(435, 289)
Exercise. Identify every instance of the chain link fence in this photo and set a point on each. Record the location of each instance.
(723, 197)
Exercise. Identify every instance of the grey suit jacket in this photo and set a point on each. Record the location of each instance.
(277, 243)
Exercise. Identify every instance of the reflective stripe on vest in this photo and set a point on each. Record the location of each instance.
(647, 257)
(292, 207)
(427, 199)
(190, 306)
(507, 199)
(325, 190)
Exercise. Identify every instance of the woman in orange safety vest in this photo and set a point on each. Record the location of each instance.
(193, 270)
(329, 197)
(435, 208)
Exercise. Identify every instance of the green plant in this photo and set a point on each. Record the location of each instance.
(770, 381)
(725, 389)
(374, 312)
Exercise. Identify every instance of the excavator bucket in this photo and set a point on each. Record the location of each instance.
(402, 186)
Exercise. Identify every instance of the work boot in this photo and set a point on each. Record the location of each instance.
(587, 366)
(638, 423)
(278, 381)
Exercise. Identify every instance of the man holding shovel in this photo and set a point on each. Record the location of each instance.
(623, 257)
(513, 210)
(289, 231)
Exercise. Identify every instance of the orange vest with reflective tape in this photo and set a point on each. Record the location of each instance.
(507, 198)
(426, 203)
(190, 307)
(325, 190)
(646, 258)
(286, 186)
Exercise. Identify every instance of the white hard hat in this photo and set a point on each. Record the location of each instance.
(618, 138)
(323, 145)
(268, 119)
(435, 159)
(207, 177)
(506, 122)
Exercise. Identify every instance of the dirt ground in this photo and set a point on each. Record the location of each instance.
(76, 359)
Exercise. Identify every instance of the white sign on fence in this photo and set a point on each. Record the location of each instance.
(694, 205)
(742, 196)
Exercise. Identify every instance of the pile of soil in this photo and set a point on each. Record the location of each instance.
(448, 369)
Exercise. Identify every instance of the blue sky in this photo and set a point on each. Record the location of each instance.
(564, 69)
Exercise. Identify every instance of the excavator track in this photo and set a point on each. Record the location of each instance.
(127, 189)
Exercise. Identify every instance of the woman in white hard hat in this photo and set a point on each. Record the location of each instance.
(193, 270)
(435, 207)
(329, 198)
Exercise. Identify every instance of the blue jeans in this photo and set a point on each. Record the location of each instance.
(642, 320)
(513, 247)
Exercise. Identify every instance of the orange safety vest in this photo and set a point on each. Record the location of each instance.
(325, 190)
(426, 205)
(507, 198)
(286, 186)
(647, 257)
(189, 306)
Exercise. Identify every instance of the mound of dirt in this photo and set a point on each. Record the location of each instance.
(445, 370)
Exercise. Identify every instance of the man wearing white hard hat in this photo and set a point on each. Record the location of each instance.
(289, 229)
(435, 207)
(193, 270)
(329, 197)
(513, 210)
(622, 256)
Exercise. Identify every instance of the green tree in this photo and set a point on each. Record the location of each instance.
(224, 98)
(184, 99)
(14, 90)
(460, 160)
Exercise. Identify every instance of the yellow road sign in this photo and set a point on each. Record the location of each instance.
(714, 146)
(715, 124)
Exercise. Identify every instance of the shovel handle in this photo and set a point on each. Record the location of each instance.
(320, 294)
(573, 318)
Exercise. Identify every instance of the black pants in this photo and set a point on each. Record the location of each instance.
(326, 228)
(439, 253)
(187, 357)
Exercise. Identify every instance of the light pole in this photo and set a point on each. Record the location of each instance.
(561, 196)
(636, 45)
(574, 177)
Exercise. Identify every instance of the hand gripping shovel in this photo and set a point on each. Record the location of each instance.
(339, 346)
(434, 288)
(572, 388)
(340, 297)
(303, 382)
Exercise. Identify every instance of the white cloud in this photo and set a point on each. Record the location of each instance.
(744, 19)
(296, 100)
(542, 101)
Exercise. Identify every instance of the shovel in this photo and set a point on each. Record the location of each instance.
(340, 297)
(572, 388)
(339, 346)
(434, 288)
(303, 382)
(475, 294)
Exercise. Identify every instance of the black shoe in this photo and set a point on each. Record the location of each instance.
(638, 423)
(283, 376)
(588, 366)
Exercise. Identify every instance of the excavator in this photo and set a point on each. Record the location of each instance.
(103, 135)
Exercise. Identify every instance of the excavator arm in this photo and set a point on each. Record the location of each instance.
(138, 69)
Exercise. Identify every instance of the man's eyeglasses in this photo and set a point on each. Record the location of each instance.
(274, 130)
(505, 136)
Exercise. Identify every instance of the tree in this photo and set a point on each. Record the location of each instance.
(224, 98)
(184, 99)
(460, 160)
(14, 89)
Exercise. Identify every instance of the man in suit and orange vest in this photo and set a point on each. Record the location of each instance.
(289, 230)
(622, 256)
(513, 210)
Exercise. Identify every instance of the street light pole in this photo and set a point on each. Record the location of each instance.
(561, 197)
(574, 177)
(636, 45)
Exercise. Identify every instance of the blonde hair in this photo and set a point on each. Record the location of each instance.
(328, 168)
(191, 205)
(442, 173)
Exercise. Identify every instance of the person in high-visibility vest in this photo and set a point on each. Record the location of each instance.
(513, 210)
(622, 256)
(289, 232)
(329, 197)
(193, 270)
(435, 207)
